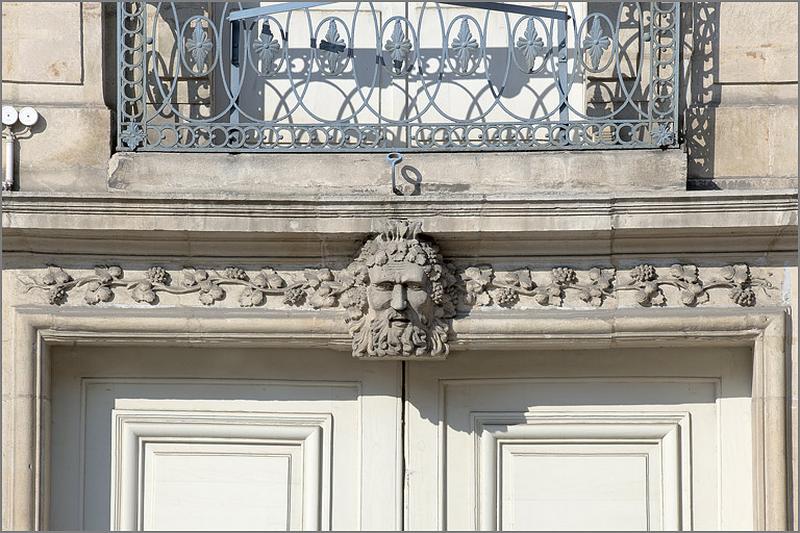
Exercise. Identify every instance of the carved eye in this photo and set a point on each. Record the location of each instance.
(415, 286)
(385, 286)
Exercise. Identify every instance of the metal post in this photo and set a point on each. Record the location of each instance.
(8, 156)
(235, 69)
(563, 109)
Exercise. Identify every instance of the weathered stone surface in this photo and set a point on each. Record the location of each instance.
(617, 171)
(471, 226)
(743, 124)
(32, 51)
(751, 141)
(758, 94)
(54, 53)
(68, 150)
(757, 42)
(783, 141)
(756, 141)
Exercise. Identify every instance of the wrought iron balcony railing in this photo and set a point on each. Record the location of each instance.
(385, 76)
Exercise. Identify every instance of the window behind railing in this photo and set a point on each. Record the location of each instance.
(386, 76)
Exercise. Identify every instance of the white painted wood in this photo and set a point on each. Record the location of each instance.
(185, 412)
(301, 442)
(542, 488)
(576, 436)
(488, 434)
(219, 487)
(681, 411)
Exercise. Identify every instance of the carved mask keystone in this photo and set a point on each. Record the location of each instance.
(398, 306)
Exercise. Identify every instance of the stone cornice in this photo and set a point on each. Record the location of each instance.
(400, 292)
(690, 221)
(371, 206)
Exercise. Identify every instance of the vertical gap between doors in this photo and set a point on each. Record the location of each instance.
(403, 477)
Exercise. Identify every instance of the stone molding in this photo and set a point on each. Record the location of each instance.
(221, 227)
(487, 172)
(38, 328)
(399, 293)
(532, 225)
(473, 286)
(118, 211)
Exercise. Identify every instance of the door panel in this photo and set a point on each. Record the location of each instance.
(594, 440)
(154, 438)
(542, 484)
(257, 483)
(223, 439)
(218, 469)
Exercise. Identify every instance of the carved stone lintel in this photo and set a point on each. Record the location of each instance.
(399, 295)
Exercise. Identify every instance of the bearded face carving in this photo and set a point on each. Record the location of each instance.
(398, 306)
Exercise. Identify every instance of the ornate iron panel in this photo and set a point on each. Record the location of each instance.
(388, 76)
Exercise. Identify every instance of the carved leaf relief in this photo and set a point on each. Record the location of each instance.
(399, 295)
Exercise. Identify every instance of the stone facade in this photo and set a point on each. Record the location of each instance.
(598, 245)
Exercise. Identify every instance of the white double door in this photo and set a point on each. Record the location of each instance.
(221, 439)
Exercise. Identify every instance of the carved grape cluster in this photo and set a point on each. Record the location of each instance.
(506, 297)
(742, 282)
(746, 297)
(295, 296)
(643, 273)
(483, 287)
(563, 276)
(57, 295)
(645, 280)
(235, 273)
(157, 276)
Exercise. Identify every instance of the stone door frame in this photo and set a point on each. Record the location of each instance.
(35, 329)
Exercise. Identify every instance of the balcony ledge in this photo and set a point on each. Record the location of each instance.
(335, 174)
(314, 227)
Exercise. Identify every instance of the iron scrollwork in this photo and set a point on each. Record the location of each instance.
(578, 76)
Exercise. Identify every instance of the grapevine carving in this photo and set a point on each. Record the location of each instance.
(463, 288)
(399, 295)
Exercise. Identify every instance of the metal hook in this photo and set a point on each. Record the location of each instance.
(395, 159)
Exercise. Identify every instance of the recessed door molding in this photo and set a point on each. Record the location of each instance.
(35, 329)
(662, 438)
(303, 438)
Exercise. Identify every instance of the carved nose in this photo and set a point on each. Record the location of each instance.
(399, 297)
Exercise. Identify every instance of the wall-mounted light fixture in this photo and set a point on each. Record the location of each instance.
(15, 125)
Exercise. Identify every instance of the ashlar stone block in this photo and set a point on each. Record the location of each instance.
(42, 42)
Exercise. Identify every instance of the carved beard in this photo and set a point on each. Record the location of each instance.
(391, 338)
(379, 335)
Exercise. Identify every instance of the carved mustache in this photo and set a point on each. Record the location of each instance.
(392, 315)
(407, 316)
